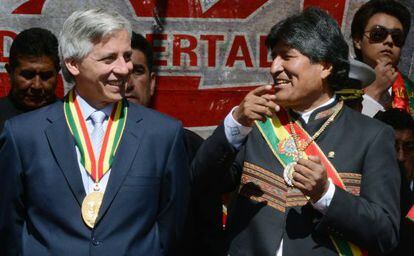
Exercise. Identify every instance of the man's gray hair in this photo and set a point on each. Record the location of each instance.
(84, 28)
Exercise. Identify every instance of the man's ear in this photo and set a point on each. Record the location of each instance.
(326, 69)
(357, 43)
(152, 83)
(73, 66)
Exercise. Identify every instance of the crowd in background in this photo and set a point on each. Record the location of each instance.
(300, 206)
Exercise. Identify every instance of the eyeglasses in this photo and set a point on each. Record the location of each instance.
(406, 146)
(379, 33)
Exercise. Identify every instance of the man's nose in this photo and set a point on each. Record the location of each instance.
(36, 82)
(277, 66)
(388, 40)
(130, 84)
(400, 154)
(122, 67)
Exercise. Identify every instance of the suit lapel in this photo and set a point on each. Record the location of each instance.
(63, 147)
(124, 157)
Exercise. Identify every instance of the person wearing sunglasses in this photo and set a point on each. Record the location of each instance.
(379, 30)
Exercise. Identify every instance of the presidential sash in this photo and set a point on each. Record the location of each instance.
(277, 134)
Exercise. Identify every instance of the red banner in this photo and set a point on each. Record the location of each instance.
(208, 53)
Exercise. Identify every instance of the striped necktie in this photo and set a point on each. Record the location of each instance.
(98, 132)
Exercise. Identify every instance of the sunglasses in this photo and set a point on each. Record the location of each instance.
(379, 33)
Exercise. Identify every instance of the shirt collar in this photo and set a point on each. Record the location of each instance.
(306, 115)
(87, 109)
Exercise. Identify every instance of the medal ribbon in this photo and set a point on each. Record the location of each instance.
(113, 134)
(276, 132)
(400, 96)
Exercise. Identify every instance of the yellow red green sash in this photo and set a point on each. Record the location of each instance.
(277, 134)
(114, 130)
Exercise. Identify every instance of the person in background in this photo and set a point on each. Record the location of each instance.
(403, 125)
(379, 30)
(93, 174)
(33, 68)
(142, 83)
(203, 231)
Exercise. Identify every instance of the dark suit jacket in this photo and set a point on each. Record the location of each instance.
(266, 210)
(204, 231)
(8, 110)
(41, 189)
(407, 226)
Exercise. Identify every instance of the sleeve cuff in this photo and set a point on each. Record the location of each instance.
(323, 203)
(235, 132)
(370, 106)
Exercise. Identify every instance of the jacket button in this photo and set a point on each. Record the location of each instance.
(95, 242)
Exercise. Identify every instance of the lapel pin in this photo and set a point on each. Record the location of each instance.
(331, 154)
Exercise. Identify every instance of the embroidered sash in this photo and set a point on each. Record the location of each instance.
(276, 133)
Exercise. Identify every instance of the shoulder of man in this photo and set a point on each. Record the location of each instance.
(38, 118)
(154, 117)
(407, 80)
(6, 104)
(409, 85)
(360, 123)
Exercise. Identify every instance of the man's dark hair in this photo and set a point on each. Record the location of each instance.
(316, 35)
(398, 119)
(138, 42)
(34, 42)
(369, 9)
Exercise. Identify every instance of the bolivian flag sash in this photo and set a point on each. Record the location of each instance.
(276, 132)
(114, 130)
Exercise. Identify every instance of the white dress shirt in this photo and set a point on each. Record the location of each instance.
(87, 110)
(370, 107)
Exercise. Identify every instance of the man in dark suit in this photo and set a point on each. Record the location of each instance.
(313, 176)
(93, 175)
(403, 125)
(33, 69)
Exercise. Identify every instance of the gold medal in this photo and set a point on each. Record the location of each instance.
(288, 173)
(90, 207)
